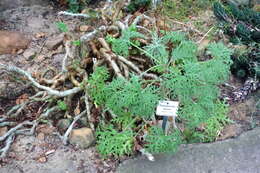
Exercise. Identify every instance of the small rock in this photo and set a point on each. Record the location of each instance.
(63, 124)
(29, 54)
(41, 136)
(3, 130)
(84, 28)
(42, 159)
(54, 43)
(82, 137)
(12, 42)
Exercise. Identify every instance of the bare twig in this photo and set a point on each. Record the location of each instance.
(91, 35)
(112, 62)
(205, 35)
(86, 99)
(67, 133)
(12, 130)
(8, 143)
(64, 61)
(48, 89)
(73, 14)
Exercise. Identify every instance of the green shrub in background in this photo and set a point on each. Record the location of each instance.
(182, 9)
(76, 6)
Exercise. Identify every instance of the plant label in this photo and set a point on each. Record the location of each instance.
(167, 108)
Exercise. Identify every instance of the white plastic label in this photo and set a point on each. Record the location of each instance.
(167, 108)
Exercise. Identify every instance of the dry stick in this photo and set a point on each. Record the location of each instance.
(124, 68)
(180, 23)
(91, 35)
(49, 111)
(67, 133)
(67, 50)
(10, 138)
(104, 43)
(8, 143)
(2, 124)
(12, 130)
(121, 25)
(88, 110)
(129, 63)
(127, 18)
(141, 17)
(205, 35)
(2, 119)
(73, 14)
(124, 60)
(112, 62)
(48, 89)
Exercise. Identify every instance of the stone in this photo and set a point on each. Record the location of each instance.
(29, 54)
(3, 130)
(12, 42)
(41, 136)
(54, 43)
(63, 124)
(82, 138)
(84, 28)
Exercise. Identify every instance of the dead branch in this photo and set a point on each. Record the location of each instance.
(112, 62)
(48, 89)
(73, 14)
(86, 99)
(67, 133)
(91, 35)
(12, 130)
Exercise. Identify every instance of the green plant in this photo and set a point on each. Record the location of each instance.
(182, 77)
(135, 5)
(76, 6)
(122, 44)
(130, 97)
(76, 42)
(215, 124)
(62, 105)
(158, 142)
(97, 84)
(194, 84)
(62, 27)
(111, 142)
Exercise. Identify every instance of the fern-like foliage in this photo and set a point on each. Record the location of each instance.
(130, 97)
(122, 44)
(183, 77)
(195, 84)
(185, 51)
(97, 84)
(158, 52)
(111, 142)
(158, 142)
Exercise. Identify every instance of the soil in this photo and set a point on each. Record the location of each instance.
(44, 152)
